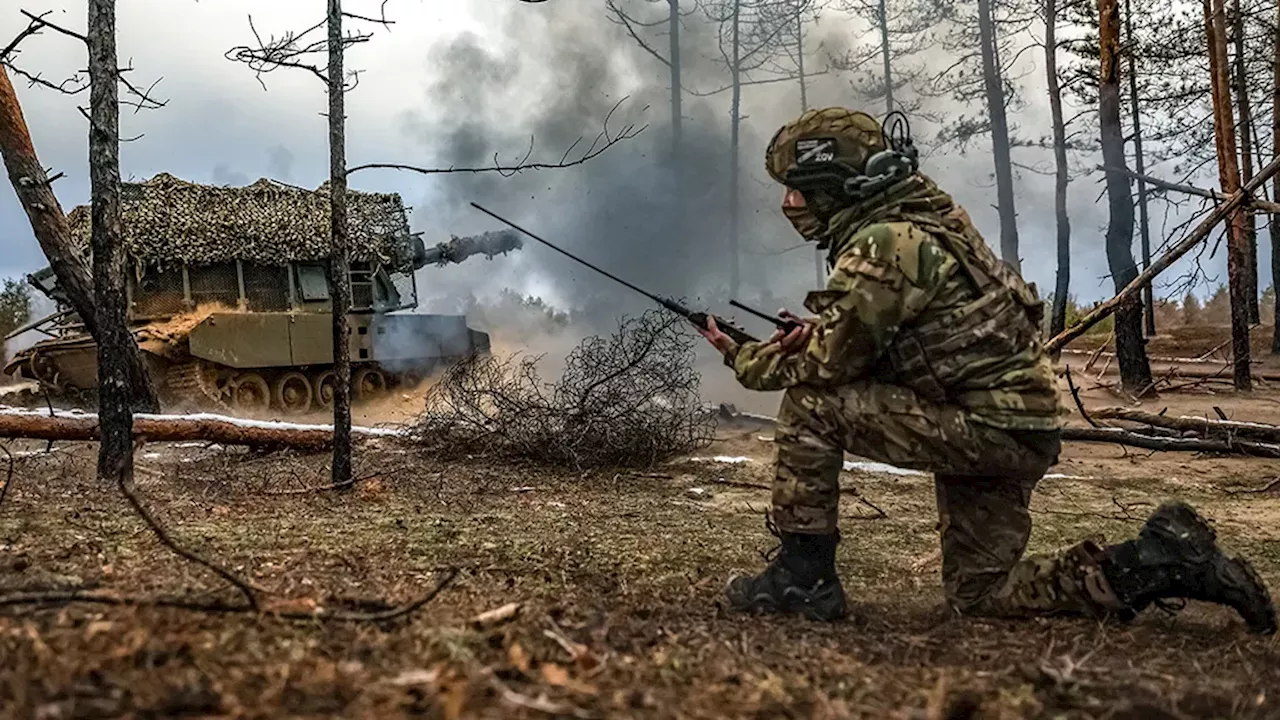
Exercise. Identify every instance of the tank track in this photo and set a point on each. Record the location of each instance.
(191, 380)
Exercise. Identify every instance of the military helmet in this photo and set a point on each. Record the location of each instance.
(828, 135)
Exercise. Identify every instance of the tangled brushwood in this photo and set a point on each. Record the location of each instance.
(629, 400)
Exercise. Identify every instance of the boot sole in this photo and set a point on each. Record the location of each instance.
(796, 602)
(1204, 541)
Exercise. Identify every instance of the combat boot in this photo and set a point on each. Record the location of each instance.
(800, 578)
(1176, 555)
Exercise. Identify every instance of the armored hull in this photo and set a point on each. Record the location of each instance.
(277, 363)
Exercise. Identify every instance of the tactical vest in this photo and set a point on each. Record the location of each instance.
(940, 357)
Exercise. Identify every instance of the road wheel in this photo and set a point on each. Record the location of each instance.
(411, 379)
(291, 392)
(322, 384)
(249, 392)
(368, 384)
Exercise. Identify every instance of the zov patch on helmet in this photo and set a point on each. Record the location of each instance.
(815, 150)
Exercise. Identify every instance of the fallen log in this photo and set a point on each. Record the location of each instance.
(1158, 265)
(1202, 426)
(1120, 436)
(203, 427)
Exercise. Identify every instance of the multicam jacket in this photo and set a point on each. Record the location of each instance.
(915, 297)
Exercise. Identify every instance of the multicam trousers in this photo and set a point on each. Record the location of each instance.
(984, 478)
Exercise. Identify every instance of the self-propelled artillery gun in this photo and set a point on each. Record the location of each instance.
(229, 297)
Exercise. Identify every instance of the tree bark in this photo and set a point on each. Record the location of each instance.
(819, 258)
(883, 17)
(1219, 213)
(339, 263)
(1135, 370)
(1139, 160)
(1229, 176)
(1120, 436)
(1246, 160)
(999, 137)
(170, 428)
(115, 416)
(1201, 426)
(1275, 187)
(49, 225)
(736, 122)
(1062, 287)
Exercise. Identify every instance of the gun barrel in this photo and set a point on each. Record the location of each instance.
(669, 304)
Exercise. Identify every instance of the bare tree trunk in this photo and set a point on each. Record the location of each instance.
(1229, 176)
(1135, 370)
(1139, 160)
(735, 112)
(115, 417)
(1275, 186)
(339, 262)
(819, 260)
(1246, 159)
(1062, 288)
(999, 137)
(49, 225)
(882, 15)
(677, 116)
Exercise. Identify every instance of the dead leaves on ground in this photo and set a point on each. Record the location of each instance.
(545, 672)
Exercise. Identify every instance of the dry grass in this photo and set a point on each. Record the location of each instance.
(619, 576)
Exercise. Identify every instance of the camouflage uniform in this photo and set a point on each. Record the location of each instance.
(926, 355)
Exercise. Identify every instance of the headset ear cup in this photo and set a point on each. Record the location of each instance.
(880, 164)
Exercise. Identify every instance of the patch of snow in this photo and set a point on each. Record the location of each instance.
(1060, 476)
(876, 467)
(150, 455)
(732, 460)
(239, 422)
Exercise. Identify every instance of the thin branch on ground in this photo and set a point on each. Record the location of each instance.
(62, 597)
(1275, 483)
(123, 481)
(1075, 395)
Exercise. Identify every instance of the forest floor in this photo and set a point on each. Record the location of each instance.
(619, 578)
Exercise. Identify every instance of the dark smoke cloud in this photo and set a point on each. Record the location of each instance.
(656, 220)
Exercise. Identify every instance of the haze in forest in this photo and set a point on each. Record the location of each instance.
(458, 83)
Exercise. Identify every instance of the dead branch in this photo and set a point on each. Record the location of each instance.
(33, 28)
(1120, 436)
(124, 481)
(603, 142)
(172, 428)
(1260, 205)
(1201, 426)
(1256, 491)
(1158, 265)
(295, 50)
(64, 597)
(1075, 395)
(625, 401)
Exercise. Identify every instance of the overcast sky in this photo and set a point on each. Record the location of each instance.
(508, 67)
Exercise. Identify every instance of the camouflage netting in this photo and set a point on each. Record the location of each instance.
(167, 220)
